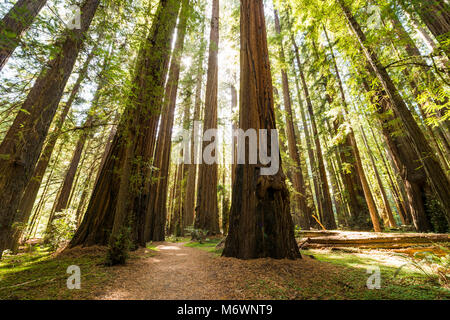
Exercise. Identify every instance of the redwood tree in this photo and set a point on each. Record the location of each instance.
(260, 221)
(23, 142)
(207, 211)
(14, 24)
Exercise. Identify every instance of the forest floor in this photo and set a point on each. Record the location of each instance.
(189, 270)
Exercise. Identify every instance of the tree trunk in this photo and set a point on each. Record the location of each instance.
(145, 100)
(192, 168)
(155, 219)
(326, 204)
(207, 213)
(14, 24)
(260, 222)
(355, 149)
(62, 200)
(436, 16)
(303, 211)
(387, 206)
(32, 189)
(22, 145)
(406, 162)
(437, 176)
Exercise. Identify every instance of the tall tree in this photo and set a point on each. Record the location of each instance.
(260, 221)
(14, 24)
(207, 211)
(325, 198)
(192, 168)
(351, 141)
(432, 166)
(297, 174)
(32, 189)
(23, 142)
(136, 136)
(157, 210)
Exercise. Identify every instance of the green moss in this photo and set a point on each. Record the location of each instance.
(40, 276)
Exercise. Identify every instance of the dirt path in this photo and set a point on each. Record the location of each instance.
(175, 272)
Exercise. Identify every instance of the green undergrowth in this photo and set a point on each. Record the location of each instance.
(396, 284)
(208, 245)
(42, 276)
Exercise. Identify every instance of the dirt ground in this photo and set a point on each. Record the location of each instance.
(183, 273)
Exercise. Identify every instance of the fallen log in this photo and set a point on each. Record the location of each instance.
(372, 240)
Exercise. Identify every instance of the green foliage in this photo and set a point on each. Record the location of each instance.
(61, 231)
(436, 215)
(434, 266)
(119, 247)
(199, 235)
(297, 231)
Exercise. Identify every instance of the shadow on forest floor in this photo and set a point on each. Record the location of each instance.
(327, 275)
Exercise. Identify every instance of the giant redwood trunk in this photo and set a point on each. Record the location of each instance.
(433, 169)
(297, 174)
(32, 189)
(23, 142)
(260, 221)
(14, 24)
(157, 211)
(136, 133)
(207, 211)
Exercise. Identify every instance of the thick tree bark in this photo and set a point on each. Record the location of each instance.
(207, 212)
(260, 222)
(157, 211)
(145, 100)
(437, 176)
(14, 24)
(22, 145)
(32, 189)
(303, 211)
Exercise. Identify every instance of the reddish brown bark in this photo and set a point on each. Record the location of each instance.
(207, 211)
(434, 171)
(14, 24)
(136, 136)
(260, 222)
(22, 145)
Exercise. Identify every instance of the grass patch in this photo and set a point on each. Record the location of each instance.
(406, 285)
(42, 276)
(208, 245)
